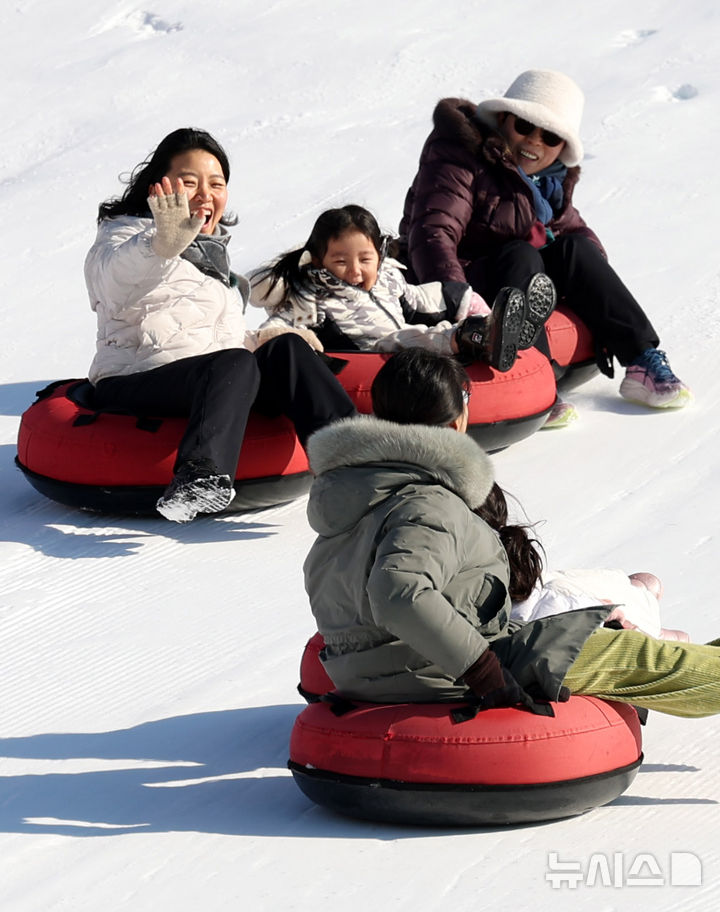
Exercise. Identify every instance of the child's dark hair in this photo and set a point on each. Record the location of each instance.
(134, 199)
(330, 225)
(416, 386)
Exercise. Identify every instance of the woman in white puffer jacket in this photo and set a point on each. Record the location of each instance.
(143, 319)
(171, 331)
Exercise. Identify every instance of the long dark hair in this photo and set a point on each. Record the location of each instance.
(152, 170)
(416, 386)
(329, 226)
(523, 551)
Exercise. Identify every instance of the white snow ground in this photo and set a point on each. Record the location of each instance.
(147, 670)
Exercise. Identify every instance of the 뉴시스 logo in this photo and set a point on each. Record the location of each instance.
(620, 869)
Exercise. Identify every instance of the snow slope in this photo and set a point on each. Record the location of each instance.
(148, 670)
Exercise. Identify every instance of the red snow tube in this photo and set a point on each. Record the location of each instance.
(571, 348)
(314, 680)
(504, 407)
(411, 763)
(121, 464)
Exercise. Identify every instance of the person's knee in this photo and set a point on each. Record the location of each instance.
(289, 348)
(521, 254)
(288, 341)
(235, 364)
(233, 356)
(519, 247)
(577, 244)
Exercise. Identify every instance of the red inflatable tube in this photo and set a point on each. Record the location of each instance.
(119, 463)
(571, 348)
(504, 407)
(411, 763)
(314, 680)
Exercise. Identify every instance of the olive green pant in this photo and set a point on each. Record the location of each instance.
(682, 679)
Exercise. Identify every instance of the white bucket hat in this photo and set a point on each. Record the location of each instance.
(550, 100)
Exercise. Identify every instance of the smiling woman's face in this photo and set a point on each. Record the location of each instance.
(529, 152)
(204, 181)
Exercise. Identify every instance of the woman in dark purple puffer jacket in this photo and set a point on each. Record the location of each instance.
(492, 204)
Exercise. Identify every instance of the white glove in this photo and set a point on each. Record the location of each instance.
(175, 228)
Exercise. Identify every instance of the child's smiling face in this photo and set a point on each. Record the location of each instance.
(353, 258)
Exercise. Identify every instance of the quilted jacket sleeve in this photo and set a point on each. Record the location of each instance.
(414, 564)
(442, 208)
(121, 266)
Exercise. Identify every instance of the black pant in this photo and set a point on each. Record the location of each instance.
(586, 284)
(216, 392)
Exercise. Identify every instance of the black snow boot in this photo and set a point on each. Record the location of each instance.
(541, 299)
(196, 488)
(494, 338)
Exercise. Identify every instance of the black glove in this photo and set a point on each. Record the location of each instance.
(493, 685)
(510, 694)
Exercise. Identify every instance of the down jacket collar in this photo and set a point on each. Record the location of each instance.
(388, 456)
(454, 119)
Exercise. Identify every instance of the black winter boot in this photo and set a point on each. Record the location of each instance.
(541, 299)
(196, 488)
(494, 338)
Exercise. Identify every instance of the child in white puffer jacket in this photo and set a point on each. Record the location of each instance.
(342, 292)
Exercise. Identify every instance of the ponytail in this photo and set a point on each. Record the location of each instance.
(286, 272)
(523, 555)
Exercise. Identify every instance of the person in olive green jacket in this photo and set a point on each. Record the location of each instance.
(411, 577)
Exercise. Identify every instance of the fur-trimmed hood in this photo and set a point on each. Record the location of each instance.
(361, 461)
(455, 119)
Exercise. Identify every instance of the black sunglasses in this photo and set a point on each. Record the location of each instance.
(525, 128)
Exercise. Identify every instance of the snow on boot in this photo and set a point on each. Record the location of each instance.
(494, 338)
(541, 299)
(195, 490)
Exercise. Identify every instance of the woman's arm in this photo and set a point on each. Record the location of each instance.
(121, 266)
(441, 211)
(415, 561)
